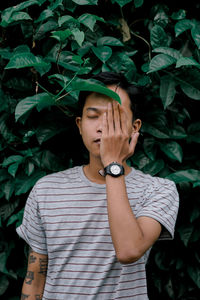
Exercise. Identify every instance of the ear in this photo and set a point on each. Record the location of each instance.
(137, 125)
(78, 123)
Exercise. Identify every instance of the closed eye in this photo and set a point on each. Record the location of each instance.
(92, 116)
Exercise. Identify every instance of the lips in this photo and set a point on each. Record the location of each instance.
(97, 141)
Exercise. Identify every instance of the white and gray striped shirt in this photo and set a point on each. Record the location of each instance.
(66, 218)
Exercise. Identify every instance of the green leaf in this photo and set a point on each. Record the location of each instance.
(89, 20)
(94, 87)
(69, 5)
(167, 90)
(12, 14)
(20, 16)
(185, 232)
(190, 175)
(194, 273)
(149, 146)
(140, 160)
(67, 19)
(196, 35)
(160, 62)
(56, 4)
(16, 217)
(172, 149)
(5, 53)
(45, 14)
(103, 52)
(24, 60)
(25, 4)
(61, 35)
(169, 51)
(27, 104)
(24, 184)
(154, 167)
(4, 283)
(195, 214)
(178, 132)
(194, 132)
(122, 63)
(42, 29)
(183, 25)
(5, 253)
(12, 159)
(122, 2)
(78, 36)
(138, 3)
(12, 169)
(51, 161)
(179, 15)
(154, 131)
(8, 190)
(161, 18)
(191, 91)
(85, 2)
(19, 84)
(44, 133)
(66, 60)
(158, 37)
(109, 41)
(187, 61)
(194, 127)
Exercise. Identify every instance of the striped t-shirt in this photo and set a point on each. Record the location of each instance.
(66, 218)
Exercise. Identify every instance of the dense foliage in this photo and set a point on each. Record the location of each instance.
(47, 49)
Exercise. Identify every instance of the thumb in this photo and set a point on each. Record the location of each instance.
(134, 139)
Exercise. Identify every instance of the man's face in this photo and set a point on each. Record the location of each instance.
(90, 124)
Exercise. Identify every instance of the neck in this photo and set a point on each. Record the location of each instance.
(92, 170)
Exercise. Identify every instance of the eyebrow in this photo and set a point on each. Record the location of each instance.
(92, 109)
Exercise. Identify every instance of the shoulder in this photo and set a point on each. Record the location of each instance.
(58, 178)
(152, 183)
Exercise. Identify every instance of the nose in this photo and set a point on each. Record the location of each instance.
(99, 125)
(99, 128)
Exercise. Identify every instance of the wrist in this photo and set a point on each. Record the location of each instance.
(110, 161)
(114, 169)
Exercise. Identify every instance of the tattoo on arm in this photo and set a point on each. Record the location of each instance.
(32, 259)
(29, 277)
(23, 296)
(43, 266)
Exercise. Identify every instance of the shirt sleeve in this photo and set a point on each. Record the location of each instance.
(161, 202)
(32, 229)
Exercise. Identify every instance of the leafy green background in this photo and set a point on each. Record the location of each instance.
(47, 49)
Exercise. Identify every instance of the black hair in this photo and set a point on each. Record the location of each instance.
(118, 79)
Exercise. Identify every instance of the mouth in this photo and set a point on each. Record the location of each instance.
(97, 141)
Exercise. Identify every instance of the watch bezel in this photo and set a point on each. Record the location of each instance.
(108, 171)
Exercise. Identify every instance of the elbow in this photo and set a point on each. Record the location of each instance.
(128, 257)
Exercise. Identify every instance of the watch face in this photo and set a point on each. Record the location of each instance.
(115, 169)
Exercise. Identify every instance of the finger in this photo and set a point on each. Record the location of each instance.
(105, 125)
(116, 117)
(133, 143)
(123, 119)
(110, 119)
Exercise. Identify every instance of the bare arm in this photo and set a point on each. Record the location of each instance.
(131, 237)
(34, 281)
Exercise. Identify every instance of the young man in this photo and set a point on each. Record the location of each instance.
(90, 228)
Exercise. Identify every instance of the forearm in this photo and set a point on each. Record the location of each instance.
(127, 236)
(34, 282)
(33, 291)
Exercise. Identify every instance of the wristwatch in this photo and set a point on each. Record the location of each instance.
(114, 169)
